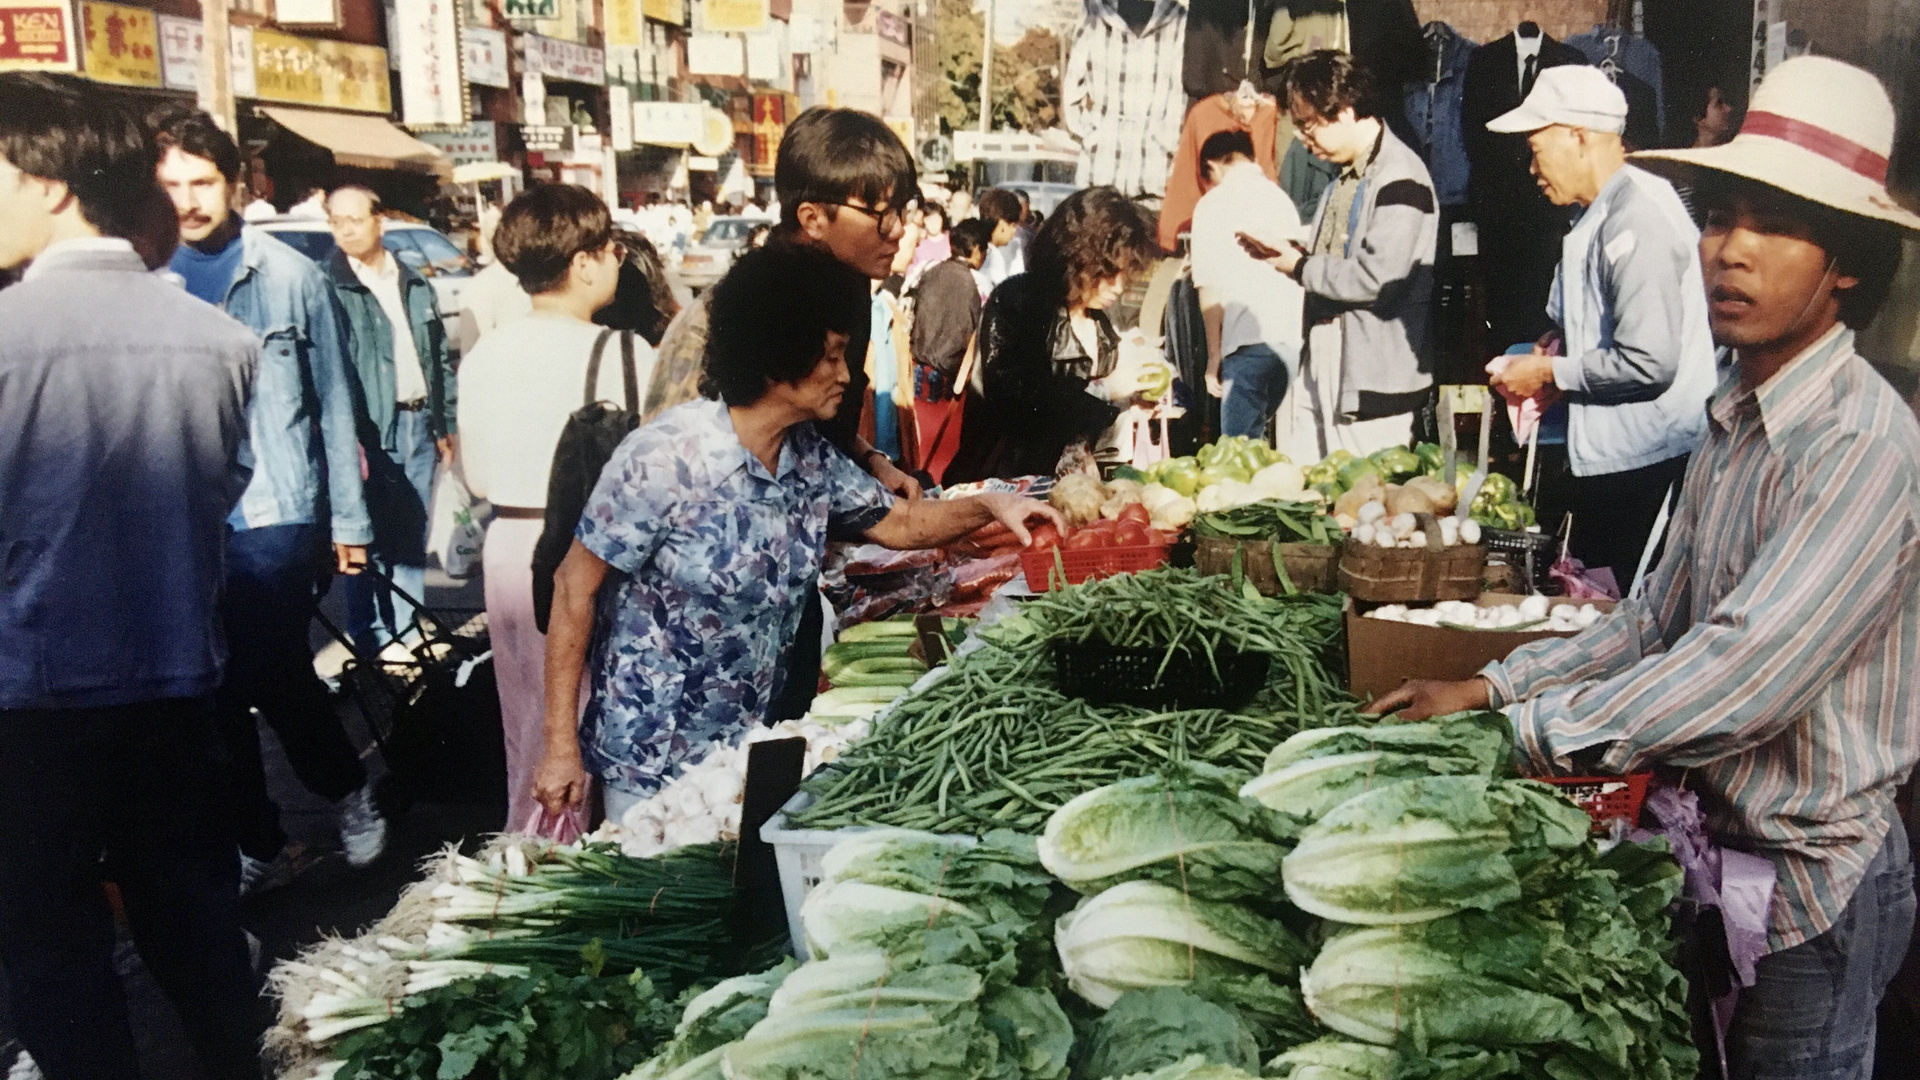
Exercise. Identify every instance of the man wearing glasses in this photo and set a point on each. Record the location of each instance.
(398, 347)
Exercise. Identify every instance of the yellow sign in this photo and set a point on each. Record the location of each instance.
(121, 44)
(736, 16)
(330, 74)
(625, 28)
(666, 11)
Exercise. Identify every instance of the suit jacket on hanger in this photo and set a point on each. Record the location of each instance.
(1217, 45)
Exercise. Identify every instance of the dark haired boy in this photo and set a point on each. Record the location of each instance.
(302, 433)
(946, 312)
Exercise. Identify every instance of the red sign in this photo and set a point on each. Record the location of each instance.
(35, 37)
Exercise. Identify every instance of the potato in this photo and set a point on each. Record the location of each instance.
(1407, 499)
(1441, 493)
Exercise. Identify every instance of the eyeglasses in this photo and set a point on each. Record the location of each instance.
(338, 220)
(888, 221)
(617, 249)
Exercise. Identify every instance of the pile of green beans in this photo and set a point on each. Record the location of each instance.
(994, 745)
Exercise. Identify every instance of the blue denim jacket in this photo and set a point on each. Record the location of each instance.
(123, 402)
(282, 296)
(1433, 111)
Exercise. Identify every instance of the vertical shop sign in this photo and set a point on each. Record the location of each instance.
(181, 42)
(626, 26)
(486, 57)
(433, 93)
(36, 36)
(121, 44)
(620, 118)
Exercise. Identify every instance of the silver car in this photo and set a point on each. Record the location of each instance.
(707, 261)
(422, 248)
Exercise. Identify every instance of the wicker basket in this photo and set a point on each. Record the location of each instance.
(1411, 575)
(1311, 567)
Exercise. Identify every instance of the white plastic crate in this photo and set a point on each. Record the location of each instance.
(798, 852)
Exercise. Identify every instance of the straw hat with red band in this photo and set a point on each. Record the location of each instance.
(1816, 128)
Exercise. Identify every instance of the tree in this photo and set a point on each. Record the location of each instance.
(1026, 75)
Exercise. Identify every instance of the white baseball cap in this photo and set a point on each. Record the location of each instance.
(1572, 94)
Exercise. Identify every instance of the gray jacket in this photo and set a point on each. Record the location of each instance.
(124, 403)
(1381, 287)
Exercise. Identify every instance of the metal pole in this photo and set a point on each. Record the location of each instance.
(986, 73)
(216, 75)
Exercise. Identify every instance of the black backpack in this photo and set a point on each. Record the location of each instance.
(592, 434)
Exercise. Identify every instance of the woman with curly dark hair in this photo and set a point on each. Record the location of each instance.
(1048, 363)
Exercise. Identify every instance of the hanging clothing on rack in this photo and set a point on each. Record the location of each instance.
(1123, 97)
(1383, 35)
(1217, 45)
(1520, 231)
(1433, 105)
(1636, 56)
(1212, 115)
(1305, 178)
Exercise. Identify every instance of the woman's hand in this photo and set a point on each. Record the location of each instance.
(561, 782)
(893, 479)
(1014, 512)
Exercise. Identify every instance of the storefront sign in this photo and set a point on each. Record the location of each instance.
(478, 141)
(620, 118)
(764, 59)
(893, 28)
(36, 36)
(666, 11)
(547, 139)
(558, 59)
(486, 57)
(330, 74)
(667, 123)
(181, 42)
(531, 9)
(426, 36)
(735, 16)
(715, 54)
(121, 44)
(306, 12)
(626, 29)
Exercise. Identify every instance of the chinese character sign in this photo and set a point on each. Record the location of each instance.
(122, 44)
(486, 63)
(432, 91)
(330, 74)
(36, 36)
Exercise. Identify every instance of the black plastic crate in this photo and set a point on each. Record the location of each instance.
(1112, 675)
(1532, 553)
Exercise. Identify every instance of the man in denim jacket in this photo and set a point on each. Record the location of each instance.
(301, 433)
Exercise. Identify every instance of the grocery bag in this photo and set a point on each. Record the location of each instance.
(453, 536)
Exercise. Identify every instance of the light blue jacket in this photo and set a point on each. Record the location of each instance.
(1639, 363)
(301, 426)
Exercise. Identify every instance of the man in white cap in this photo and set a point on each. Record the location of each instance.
(1776, 654)
(1623, 400)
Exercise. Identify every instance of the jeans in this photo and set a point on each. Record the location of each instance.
(271, 576)
(145, 785)
(1810, 1015)
(1256, 379)
(399, 487)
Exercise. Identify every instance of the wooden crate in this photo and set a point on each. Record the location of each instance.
(1312, 567)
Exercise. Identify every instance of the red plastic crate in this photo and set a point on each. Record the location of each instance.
(1606, 797)
(1090, 563)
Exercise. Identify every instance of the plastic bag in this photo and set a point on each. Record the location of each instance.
(562, 828)
(453, 536)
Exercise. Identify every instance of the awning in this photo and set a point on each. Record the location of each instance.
(369, 142)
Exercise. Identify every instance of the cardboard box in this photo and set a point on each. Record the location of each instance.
(1382, 654)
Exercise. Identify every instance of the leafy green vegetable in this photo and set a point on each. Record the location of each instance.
(1035, 1034)
(1142, 934)
(1285, 520)
(1194, 1067)
(714, 1018)
(1188, 829)
(1333, 1058)
(1151, 1029)
(1317, 770)
(1420, 849)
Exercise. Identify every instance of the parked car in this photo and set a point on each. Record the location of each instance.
(419, 246)
(709, 259)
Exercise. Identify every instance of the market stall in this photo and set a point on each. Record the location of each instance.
(1131, 821)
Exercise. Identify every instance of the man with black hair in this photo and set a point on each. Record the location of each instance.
(1775, 655)
(946, 312)
(1368, 269)
(1007, 253)
(304, 449)
(1251, 310)
(124, 403)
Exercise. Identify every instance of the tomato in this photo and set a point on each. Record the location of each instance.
(1131, 534)
(1084, 539)
(1163, 537)
(1135, 512)
(1045, 538)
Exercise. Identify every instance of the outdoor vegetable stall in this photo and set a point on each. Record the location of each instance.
(1132, 823)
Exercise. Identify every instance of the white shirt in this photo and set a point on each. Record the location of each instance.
(1006, 260)
(517, 388)
(1260, 305)
(383, 280)
(492, 298)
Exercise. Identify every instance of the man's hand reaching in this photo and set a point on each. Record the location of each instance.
(1421, 699)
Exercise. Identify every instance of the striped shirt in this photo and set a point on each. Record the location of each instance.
(1776, 653)
(1123, 97)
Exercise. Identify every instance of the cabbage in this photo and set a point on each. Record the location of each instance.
(1142, 934)
(1281, 480)
(1035, 1035)
(1188, 829)
(846, 918)
(1333, 1059)
(1151, 1029)
(1421, 849)
(1194, 1067)
(1317, 770)
(711, 1021)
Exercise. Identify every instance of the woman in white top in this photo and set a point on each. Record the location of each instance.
(517, 388)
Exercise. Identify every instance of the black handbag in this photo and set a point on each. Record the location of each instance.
(592, 434)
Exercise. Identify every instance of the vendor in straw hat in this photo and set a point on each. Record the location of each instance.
(1776, 654)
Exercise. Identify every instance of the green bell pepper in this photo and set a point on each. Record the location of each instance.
(1181, 474)
(1225, 470)
(1396, 462)
(1433, 460)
